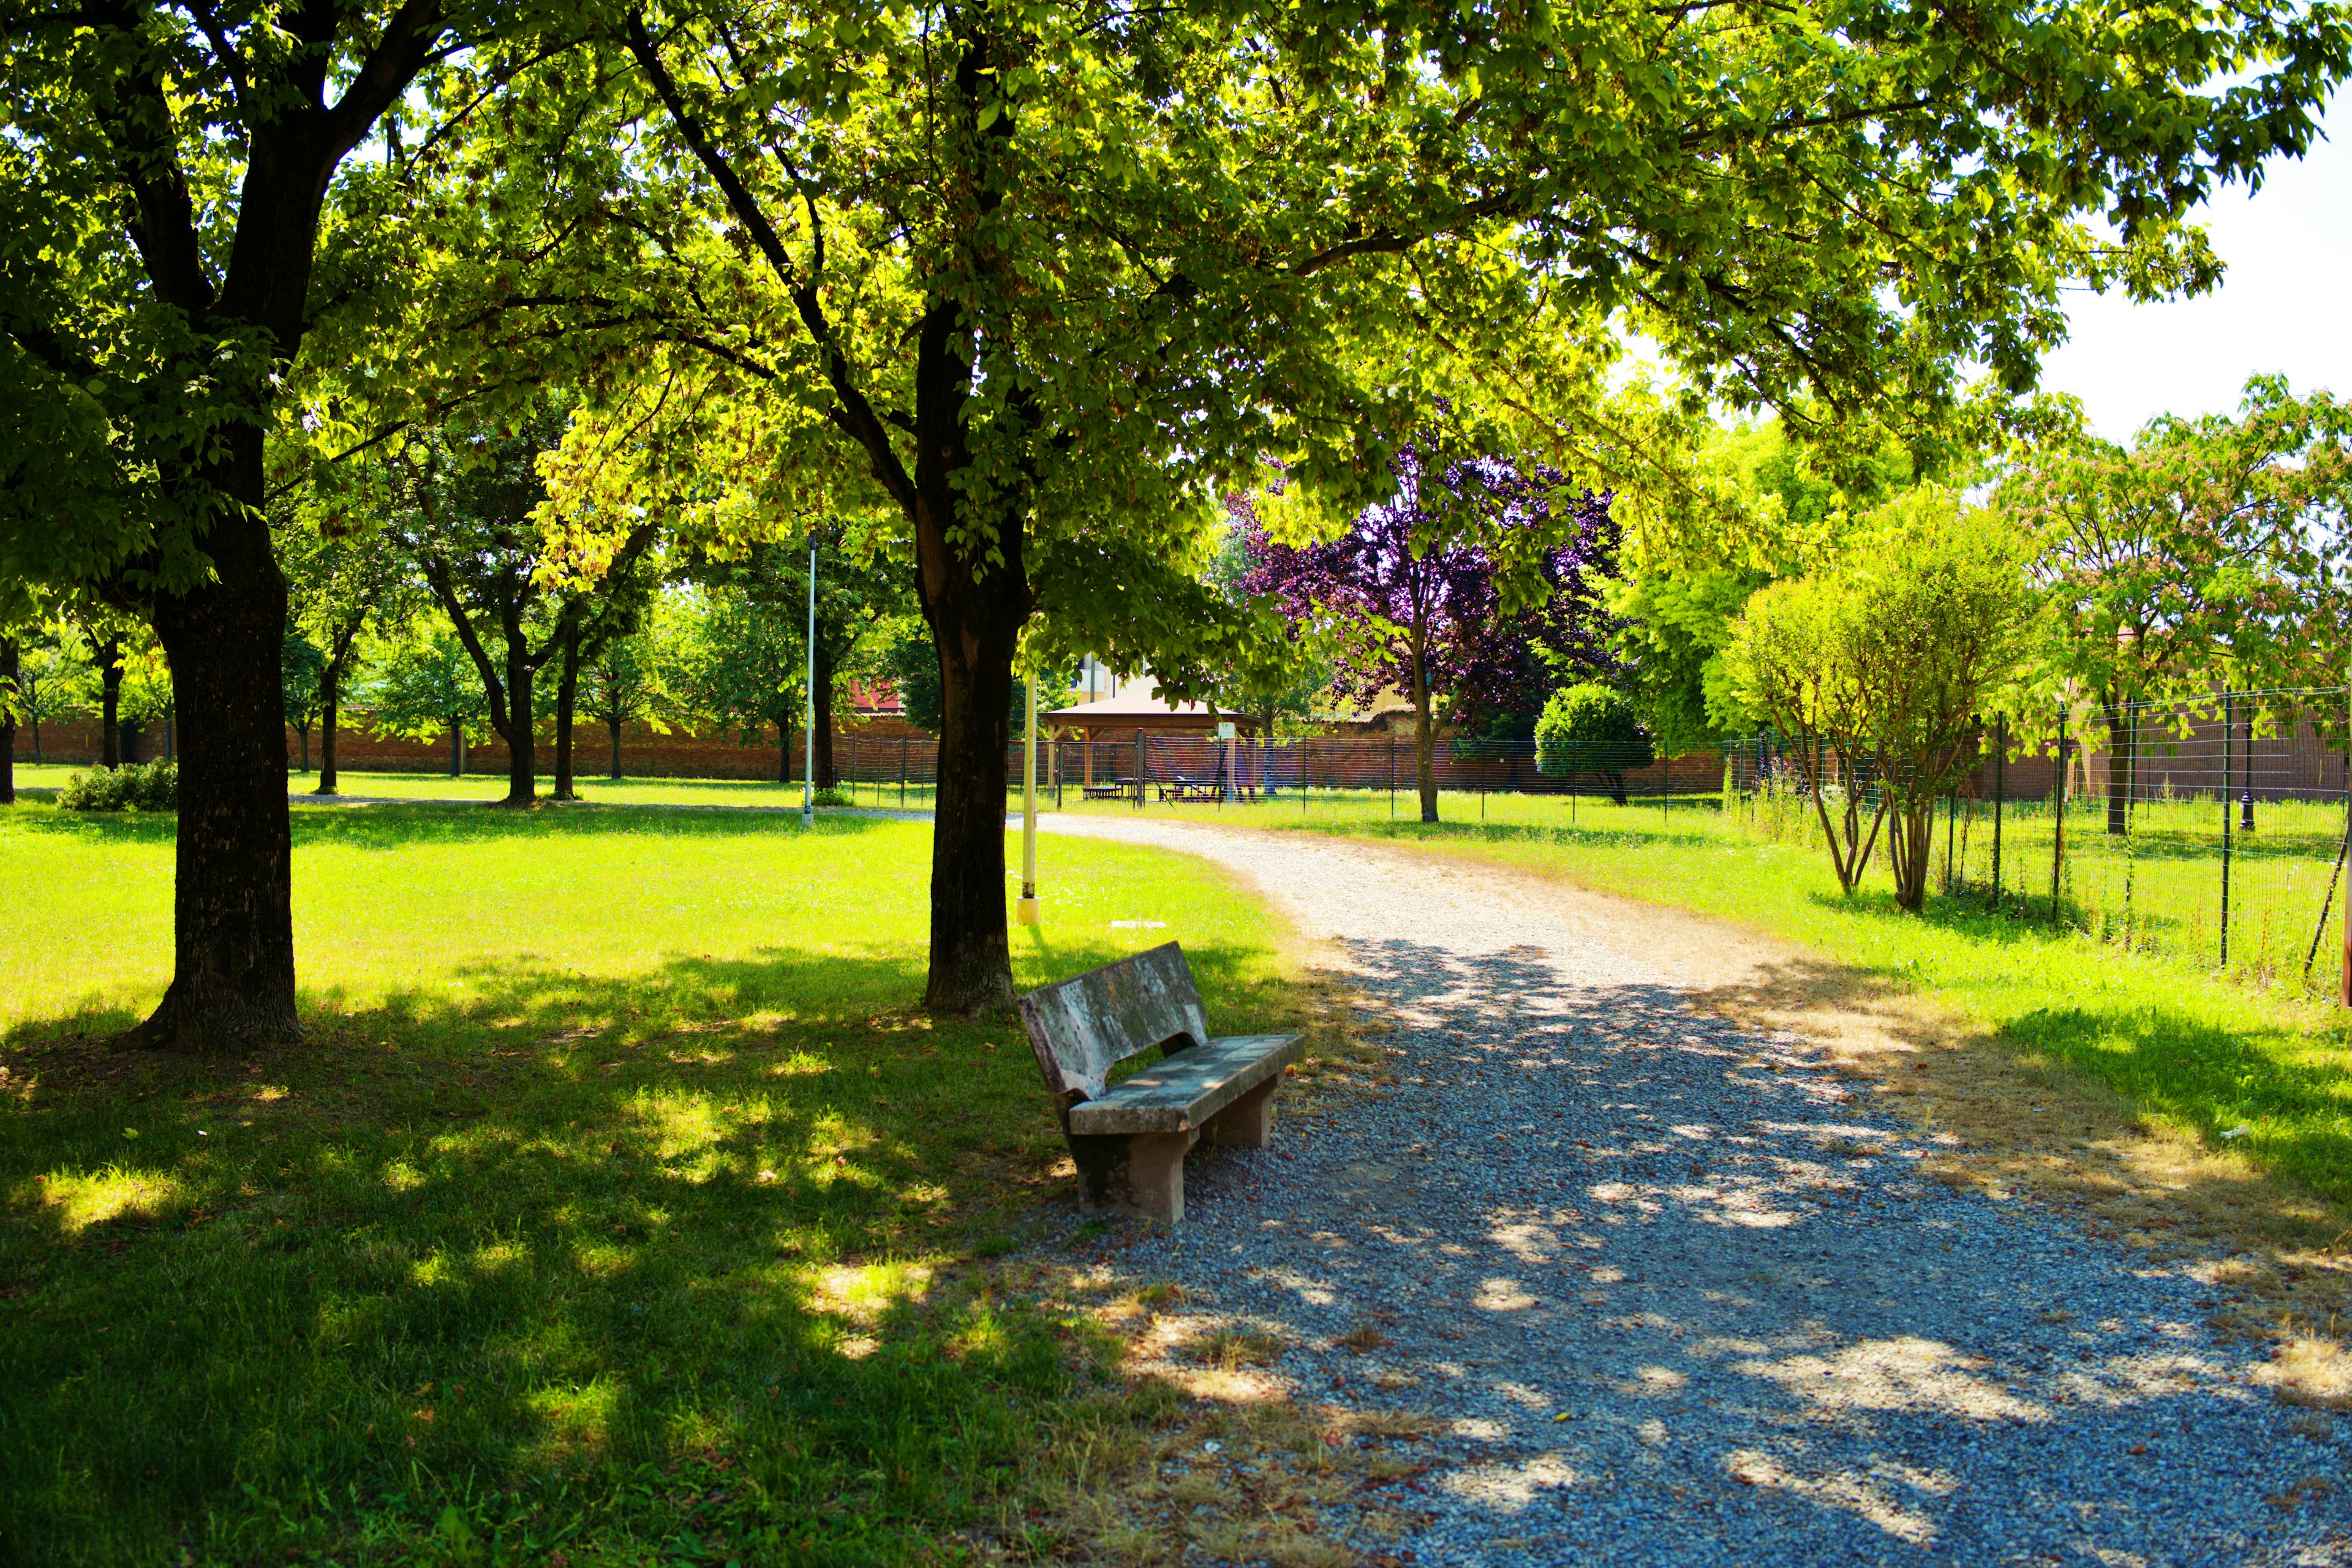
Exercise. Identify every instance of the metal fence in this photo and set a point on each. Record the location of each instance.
(2212, 831)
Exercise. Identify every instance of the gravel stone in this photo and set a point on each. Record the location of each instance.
(1680, 1296)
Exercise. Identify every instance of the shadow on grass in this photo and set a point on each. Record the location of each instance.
(679, 1262)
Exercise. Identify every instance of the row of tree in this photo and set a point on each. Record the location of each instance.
(1039, 285)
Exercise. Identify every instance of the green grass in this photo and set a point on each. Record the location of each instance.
(621, 1203)
(2208, 1052)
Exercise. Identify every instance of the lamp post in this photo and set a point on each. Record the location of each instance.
(808, 732)
(1025, 911)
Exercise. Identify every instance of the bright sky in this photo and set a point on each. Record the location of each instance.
(2285, 306)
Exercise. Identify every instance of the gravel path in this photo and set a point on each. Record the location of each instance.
(1680, 1298)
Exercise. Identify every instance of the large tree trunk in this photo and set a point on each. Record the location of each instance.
(8, 721)
(522, 763)
(233, 961)
(1424, 737)
(567, 691)
(821, 736)
(615, 726)
(976, 630)
(331, 690)
(110, 705)
(2121, 763)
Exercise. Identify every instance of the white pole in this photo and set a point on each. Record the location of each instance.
(1027, 909)
(808, 735)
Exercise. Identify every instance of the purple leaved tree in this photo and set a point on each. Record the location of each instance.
(1473, 586)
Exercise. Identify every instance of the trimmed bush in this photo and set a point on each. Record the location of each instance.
(141, 786)
(1591, 729)
(831, 796)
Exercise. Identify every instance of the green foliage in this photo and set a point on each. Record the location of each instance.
(301, 667)
(1591, 727)
(423, 685)
(2211, 552)
(139, 787)
(1879, 666)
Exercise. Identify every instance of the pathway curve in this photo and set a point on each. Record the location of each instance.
(1681, 1297)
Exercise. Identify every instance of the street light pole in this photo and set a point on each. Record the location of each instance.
(1026, 910)
(808, 734)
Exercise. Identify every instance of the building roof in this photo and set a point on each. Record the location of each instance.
(1140, 710)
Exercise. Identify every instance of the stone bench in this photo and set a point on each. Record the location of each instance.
(1129, 1139)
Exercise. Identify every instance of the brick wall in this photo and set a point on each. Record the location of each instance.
(644, 754)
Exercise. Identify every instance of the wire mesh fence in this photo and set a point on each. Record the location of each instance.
(2212, 831)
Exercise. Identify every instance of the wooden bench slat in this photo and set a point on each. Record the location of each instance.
(1184, 1090)
(1084, 1026)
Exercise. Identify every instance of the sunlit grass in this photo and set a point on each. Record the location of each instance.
(620, 1196)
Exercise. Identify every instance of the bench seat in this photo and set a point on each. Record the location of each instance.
(1189, 1089)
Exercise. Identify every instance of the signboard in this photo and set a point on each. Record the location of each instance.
(1224, 729)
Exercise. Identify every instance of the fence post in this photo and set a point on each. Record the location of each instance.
(2058, 817)
(1391, 775)
(902, 772)
(2228, 759)
(1999, 795)
(1142, 766)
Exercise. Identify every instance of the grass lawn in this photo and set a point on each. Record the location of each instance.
(2209, 1054)
(621, 1205)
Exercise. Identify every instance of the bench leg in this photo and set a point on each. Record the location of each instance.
(1138, 1173)
(1248, 1121)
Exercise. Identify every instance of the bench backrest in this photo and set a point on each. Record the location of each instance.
(1085, 1026)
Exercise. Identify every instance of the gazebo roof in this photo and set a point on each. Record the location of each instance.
(1142, 711)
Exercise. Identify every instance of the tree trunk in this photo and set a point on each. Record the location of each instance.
(331, 690)
(1911, 847)
(8, 721)
(567, 689)
(1425, 736)
(976, 627)
(615, 726)
(233, 952)
(304, 730)
(522, 765)
(783, 751)
(821, 736)
(2122, 762)
(110, 705)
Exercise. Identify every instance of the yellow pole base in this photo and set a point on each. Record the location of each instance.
(1025, 910)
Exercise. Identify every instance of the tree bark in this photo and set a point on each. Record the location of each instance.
(567, 689)
(304, 730)
(2122, 762)
(821, 736)
(233, 961)
(8, 667)
(522, 764)
(615, 726)
(976, 627)
(330, 684)
(1424, 733)
(108, 655)
(1910, 845)
(783, 751)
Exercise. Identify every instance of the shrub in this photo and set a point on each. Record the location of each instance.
(141, 786)
(1591, 729)
(832, 796)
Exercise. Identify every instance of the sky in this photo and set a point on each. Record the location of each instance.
(2284, 307)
